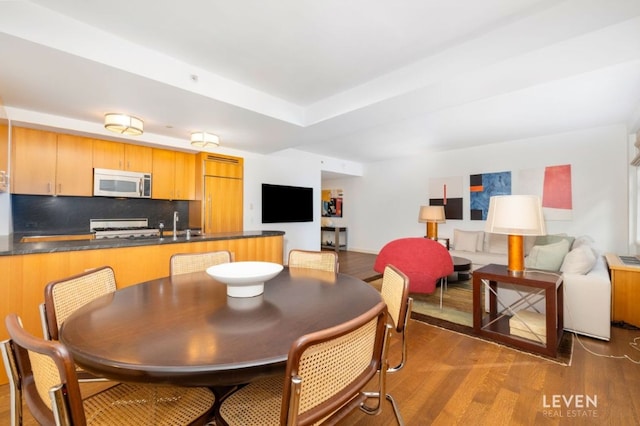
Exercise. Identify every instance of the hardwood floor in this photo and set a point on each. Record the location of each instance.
(454, 379)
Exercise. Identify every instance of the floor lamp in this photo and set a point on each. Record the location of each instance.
(432, 216)
(516, 216)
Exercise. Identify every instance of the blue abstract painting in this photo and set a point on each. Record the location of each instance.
(482, 187)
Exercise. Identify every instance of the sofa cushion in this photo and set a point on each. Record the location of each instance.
(468, 240)
(544, 240)
(580, 260)
(497, 243)
(548, 257)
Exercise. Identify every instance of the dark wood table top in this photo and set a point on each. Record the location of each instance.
(185, 330)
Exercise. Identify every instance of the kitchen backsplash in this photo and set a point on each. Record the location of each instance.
(45, 215)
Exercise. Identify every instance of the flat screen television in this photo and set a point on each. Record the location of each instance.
(281, 204)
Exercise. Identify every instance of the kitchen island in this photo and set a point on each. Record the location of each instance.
(28, 267)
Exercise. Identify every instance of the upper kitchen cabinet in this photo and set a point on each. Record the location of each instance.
(4, 153)
(173, 175)
(122, 156)
(46, 163)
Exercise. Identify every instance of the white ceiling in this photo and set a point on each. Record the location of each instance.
(361, 80)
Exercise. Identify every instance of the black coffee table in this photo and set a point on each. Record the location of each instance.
(461, 269)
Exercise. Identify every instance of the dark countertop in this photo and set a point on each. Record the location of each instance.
(18, 248)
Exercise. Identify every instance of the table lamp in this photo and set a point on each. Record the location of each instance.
(432, 215)
(516, 216)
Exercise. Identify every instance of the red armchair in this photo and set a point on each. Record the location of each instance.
(423, 260)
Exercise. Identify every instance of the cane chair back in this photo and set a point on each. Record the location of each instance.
(15, 389)
(395, 293)
(321, 260)
(184, 263)
(53, 396)
(326, 372)
(63, 297)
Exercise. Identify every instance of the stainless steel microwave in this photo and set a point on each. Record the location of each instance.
(121, 183)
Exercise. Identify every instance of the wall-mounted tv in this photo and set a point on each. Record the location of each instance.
(281, 204)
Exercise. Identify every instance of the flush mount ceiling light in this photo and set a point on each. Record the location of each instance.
(202, 139)
(123, 124)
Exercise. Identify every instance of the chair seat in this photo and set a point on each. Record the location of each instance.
(147, 405)
(258, 403)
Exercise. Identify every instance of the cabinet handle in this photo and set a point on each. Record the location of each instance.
(49, 187)
(59, 188)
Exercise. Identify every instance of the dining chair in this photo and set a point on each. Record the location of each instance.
(321, 260)
(325, 374)
(395, 293)
(46, 373)
(184, 263)
(62, 297)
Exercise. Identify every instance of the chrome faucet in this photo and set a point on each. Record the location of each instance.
(175, 223)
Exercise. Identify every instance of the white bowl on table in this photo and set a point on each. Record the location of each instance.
(244, 279)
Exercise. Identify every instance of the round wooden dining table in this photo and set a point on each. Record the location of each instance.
(185, 330)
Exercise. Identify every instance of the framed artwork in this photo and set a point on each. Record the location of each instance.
(482, 187)
(554, 187)
(332, 205)
(447, 192)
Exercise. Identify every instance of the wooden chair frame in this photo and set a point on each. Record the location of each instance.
(54, 372)
(322, 400)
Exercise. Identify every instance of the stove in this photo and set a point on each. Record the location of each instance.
(122, 228)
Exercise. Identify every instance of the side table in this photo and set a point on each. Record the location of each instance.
(625, 283)
(498, 324)
(337, 243)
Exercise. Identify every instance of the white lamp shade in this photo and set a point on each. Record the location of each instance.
(515, 215)
(434, 214)
(202, 139)
(123, 124)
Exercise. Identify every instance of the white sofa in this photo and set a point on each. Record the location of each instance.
(587, 296)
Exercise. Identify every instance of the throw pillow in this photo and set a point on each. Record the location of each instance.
(465, 240)
(580, 260)
(498, 243)
(544, 240)
(548, 257)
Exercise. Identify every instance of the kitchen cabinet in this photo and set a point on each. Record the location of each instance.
(4, 153)
(46, 163)
(222, 204)
(24, 276)
(173, 175)
(121, 156)
(219, 193)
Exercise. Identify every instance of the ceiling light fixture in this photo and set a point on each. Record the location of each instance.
(202, 139)
(123, 124)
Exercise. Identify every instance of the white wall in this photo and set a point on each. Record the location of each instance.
(383, 204)
(259, 169)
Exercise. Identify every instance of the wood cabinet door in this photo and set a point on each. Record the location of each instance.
(223, 204)
(218, 165)
(4, 149)
(74, 174)
(33, 161)
(108, 155)
(185, 176)
(163, 174)
(138, 158)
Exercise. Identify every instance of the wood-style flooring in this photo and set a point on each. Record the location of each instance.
(453, 379)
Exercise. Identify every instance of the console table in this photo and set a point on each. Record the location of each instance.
(498, 324)
(338, 243)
